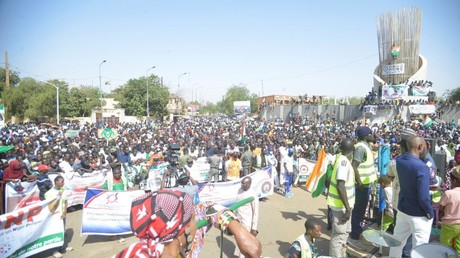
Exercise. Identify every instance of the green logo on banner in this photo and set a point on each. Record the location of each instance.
(108, 133)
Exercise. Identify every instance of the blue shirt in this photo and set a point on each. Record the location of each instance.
(123, 157)
(44, 184)
(414, 179)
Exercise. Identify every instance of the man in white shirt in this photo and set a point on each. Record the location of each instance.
(248, 214)
(288, 165)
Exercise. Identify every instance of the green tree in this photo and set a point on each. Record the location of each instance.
(74, 103)
(211, 108)
(238, 93)
(453, 95)
(32, 99)
(355, 100)
(92, 99)
(16, 98)
(14, 79)
(133, 97)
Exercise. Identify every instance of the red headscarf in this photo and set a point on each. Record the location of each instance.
(157, 217)
(13, 171)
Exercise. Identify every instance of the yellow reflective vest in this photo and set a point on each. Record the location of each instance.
(333, 198)
(436, 194)
(366, 169)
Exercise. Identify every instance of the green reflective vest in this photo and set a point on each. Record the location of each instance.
(366, 169)
(436, 194)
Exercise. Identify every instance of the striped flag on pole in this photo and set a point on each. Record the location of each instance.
(428, 121)
(317, 179)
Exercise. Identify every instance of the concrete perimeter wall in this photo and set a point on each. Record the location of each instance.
(347, 112)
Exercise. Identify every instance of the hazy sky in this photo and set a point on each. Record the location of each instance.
(294, 47)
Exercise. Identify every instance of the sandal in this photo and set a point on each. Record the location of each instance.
(57, 254)
(121, 240)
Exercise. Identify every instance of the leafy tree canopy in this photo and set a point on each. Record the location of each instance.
(238, 93)
(453, 95)
(133, 97)
(14, 78)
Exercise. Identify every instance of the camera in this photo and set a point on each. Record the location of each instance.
(173, 154)
(172, 157)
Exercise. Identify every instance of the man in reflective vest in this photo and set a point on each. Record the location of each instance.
(365, 174)
(341, 198)
(304, 245)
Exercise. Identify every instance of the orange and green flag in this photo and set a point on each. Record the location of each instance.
(317, 179)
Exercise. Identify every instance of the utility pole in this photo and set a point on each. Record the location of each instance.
(262, 87)
(7, 72)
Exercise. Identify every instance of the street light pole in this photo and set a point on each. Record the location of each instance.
(57, 100)
(147, 77)
(178, 82)
(100, 84)
(262, 88)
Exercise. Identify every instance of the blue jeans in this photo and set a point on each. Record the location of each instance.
(287, 181)
(361, 201)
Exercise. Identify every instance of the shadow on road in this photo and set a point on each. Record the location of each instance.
(283, 247)
(68, 235)
(295, 216)
(228, 247)
(110, 239)
(299, 215)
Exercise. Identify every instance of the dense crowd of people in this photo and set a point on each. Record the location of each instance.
(234, 148)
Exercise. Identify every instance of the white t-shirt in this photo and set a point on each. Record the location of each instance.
(343, 170)
(289, 162)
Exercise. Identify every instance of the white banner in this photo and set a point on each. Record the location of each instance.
(19, 195)
(199, 172)
(393, 69)
(420, 90)
(370, 110)
(242, 107)
(304, 167)
(200, 169)
(390, 92)
(225, 193)
(422, 109)
(107, 212)
(77, 184)
(30, 230)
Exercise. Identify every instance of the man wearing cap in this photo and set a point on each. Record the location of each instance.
(43, 181)
(365, 175)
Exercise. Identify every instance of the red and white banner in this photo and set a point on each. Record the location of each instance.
(19, 195)
(30, 230)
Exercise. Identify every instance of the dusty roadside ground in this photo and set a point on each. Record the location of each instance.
(281, 221)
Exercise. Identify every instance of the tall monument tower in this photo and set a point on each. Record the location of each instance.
(398, 36)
